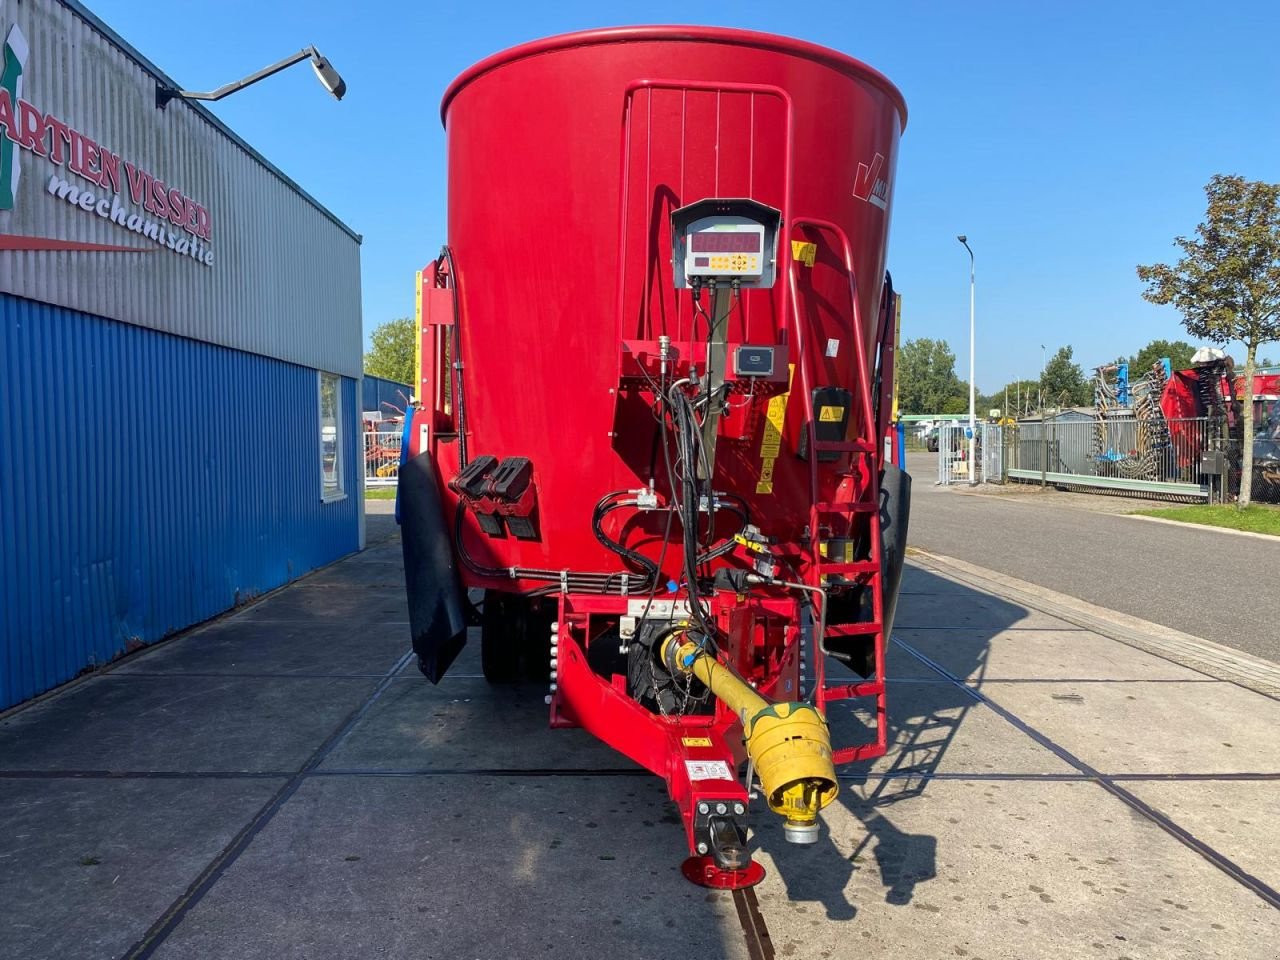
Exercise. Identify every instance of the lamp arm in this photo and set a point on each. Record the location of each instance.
(164, 95)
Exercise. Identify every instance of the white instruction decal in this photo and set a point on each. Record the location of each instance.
(708, 770)
(833, 347)
(658, 609)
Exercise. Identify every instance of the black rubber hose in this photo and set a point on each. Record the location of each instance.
(603, 508)
(578, 582)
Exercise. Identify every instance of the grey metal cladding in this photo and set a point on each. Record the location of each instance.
(285, 276)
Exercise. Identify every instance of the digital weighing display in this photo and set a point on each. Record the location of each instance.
(725, 247)
(724, 242)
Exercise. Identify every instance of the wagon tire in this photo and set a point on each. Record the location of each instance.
(501, 630)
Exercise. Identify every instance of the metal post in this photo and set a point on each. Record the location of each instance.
(1044, 450)
(973, 473)
(1040, 392)
(717, 338)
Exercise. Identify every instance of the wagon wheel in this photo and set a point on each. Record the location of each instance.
(515, 637)
(500, 636)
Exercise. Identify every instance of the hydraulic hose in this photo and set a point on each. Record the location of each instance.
(580, 582)
(606, 505)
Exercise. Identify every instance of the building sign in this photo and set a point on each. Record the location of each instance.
(89, 175)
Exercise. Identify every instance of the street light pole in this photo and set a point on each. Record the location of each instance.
(1041, 391)
(973, 428)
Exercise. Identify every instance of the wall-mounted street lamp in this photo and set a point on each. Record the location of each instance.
(324, 71)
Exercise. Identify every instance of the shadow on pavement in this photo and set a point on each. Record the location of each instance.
(927, 713)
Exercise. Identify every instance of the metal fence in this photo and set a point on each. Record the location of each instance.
(990, 452)
(1266, 468)
(953, 451)
(381, 458)
(1154, 458)
(953, 454)
(1164, 459)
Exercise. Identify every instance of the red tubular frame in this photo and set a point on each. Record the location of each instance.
(865, 499)
(664, 745)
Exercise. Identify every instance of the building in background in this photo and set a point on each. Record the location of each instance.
(382, 399)
(180, 355)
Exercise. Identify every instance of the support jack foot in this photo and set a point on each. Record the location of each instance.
(704, 872)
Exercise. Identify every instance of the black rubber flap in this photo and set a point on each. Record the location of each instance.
(437, 617)
(895, 512)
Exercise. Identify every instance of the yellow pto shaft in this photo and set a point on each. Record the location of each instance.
(788, 742)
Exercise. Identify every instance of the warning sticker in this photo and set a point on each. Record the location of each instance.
(696, 741)
(833, 347)
(830, 414)
(806, 253)
(708, 770)
(771, 442)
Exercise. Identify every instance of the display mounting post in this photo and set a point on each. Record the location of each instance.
(717, 354)
(725, 245)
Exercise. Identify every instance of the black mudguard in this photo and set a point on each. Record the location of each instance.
(437, 612)
(895, 512)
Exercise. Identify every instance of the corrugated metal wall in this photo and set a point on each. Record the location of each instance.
(378, 395)
(285, 281)
(143, 488)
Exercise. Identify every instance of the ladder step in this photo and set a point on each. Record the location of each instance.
(865, 751)
(851, 629)
(827, 506)
(867, 688)
(862, 566)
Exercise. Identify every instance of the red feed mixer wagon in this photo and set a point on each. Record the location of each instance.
(655, 381)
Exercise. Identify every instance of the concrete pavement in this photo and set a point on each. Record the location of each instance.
(283, 784)
(1196, 580)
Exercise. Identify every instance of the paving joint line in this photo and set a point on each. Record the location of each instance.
(199, 675)
(982, 680)
(1229, 867)
(164, 925)
(609, 772)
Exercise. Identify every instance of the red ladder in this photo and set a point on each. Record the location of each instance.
(863, 476)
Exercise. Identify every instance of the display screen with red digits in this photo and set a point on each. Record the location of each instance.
(725, 241)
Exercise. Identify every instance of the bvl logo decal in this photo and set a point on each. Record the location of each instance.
(868, 185)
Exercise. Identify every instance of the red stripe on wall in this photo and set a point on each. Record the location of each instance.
(13, 241)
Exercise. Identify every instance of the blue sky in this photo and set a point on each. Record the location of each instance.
(1069, 141)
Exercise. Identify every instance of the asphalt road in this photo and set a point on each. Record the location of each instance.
(1210, 584)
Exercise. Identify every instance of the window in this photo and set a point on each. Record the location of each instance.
(331, 487)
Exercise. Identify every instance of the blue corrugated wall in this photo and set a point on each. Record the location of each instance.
(376, 391)
(148, 482)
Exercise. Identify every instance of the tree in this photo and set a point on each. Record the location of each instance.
(1178, 351)
(1226, 284)
(391, 353)
(927, 376)
(1064, 383)
(1022, 396)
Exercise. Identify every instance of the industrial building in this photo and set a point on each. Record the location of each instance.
(180, 354)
